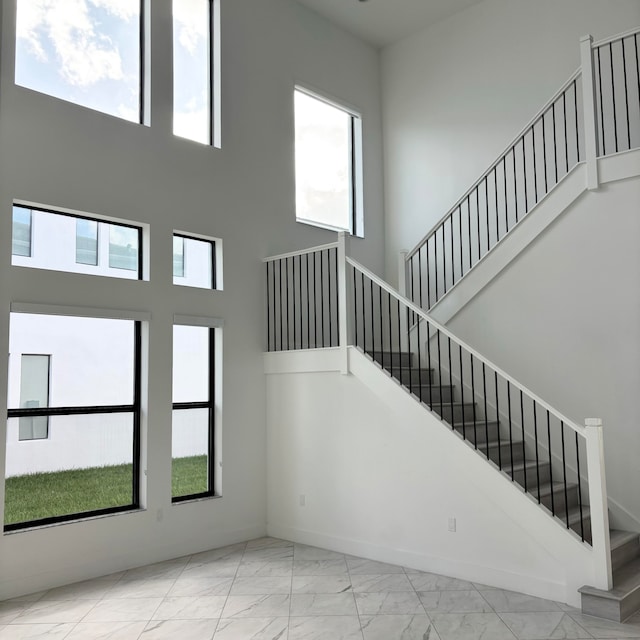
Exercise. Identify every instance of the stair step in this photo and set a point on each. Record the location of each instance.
(620, 602)
(625, 547)
(392, 358)
(540, 474)
(580, 519)
(414, 374)
(477, 431)
(453, 412)
(432, 393)
(560, 501)
(501, 452)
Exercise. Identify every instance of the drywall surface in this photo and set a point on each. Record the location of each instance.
(564, 319)
(455, 95)
(356, 465)
(57, 154)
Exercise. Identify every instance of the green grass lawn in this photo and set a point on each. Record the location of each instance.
(44, 495)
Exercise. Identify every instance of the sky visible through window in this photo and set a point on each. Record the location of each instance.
(83, 51)
(191, 60)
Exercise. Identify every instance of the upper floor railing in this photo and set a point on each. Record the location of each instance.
(595, 113)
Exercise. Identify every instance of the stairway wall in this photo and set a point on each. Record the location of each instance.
(381, 476)
(564, 319)
(456, 94)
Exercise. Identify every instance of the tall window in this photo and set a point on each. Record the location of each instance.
(196, 78)
(88, 464)
(328, 164)
(21, 232)
(87, 51)
(66, 242)
(34, 394)
(193, 412)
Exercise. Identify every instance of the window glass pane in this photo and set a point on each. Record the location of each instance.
(86, 241)
(190, 452)
(86, 464)
(190, 364)
(123, 248)
(191, 60)
(197, 263)
(75, 244)
(323, 162)
(178, 257)
(21, 233)
(85, 51)
(94, 358)
(34, 393)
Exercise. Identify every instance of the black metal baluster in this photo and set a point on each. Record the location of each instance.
(322, 297)
(553, 504)
(575, 107)
(579, 486)
(498, 422)
(364, 314)
(555, 142)
(286, 284)
(329, 297)
(335, 261)
(300, 292)
(280, 303)
(524, 173)
(564, 473)
(469, 217)
(477, 190)
(495, 182)
(453, 271)
(515, 180)
(604, 149)
(268, 312)
(440, 373)
(486, 193)
(613, 98)
(464, 420)
(382, 359)
(412, 297)
(373, 324)
(420, 277)
(506, 198)
(544, 154)
(435, 257)
(510, 428)
(535, 162)
(566, 141)
(535, 435)
(451, 384)
(420, 360)
(626, 95)
(484, 393)
(524, 457)
(293, 274)
(315, 303)
(390, 334)
(461, 251)
(473, 404)
(400, 341)
(355, 309)
(308, 304)
(428, 363)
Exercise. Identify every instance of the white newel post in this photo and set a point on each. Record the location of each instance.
(402, 289)
(343, 309)
(598, 503)
(589, 108)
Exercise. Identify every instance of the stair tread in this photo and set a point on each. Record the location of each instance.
(521, 464)
(470, 423)
(500, 443)
(545, 489)
(626, 581)
(619, 537)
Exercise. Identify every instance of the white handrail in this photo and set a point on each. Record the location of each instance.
(620, 36)
(436, 325)
(514, 141)
(291, 254)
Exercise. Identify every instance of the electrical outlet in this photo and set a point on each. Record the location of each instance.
(452, 525)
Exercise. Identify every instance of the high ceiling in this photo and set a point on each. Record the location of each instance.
(382, 22)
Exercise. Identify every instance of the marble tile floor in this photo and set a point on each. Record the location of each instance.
(270, 589)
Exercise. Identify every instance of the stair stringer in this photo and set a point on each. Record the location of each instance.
(569, 189)
(381, 476)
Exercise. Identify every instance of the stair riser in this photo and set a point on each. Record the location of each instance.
(559, 500)
(503, 453)
(392, 359)
(630, 605)
(478, 432)
(455, 413)
(587, 529)
(625, 553)
(433, 394)
(610, 609)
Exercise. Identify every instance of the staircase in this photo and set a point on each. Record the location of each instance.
(512, 456)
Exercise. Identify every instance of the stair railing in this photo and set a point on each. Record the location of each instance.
(518, 432)
(595, 113)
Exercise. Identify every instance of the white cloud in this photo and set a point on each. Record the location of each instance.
(192, 18)
(85, 56)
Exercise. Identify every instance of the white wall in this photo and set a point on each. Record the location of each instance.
(57, 154)
(381, 477)
(564, 319)
(456, 94)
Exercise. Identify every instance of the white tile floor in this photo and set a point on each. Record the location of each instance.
(271, 589)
